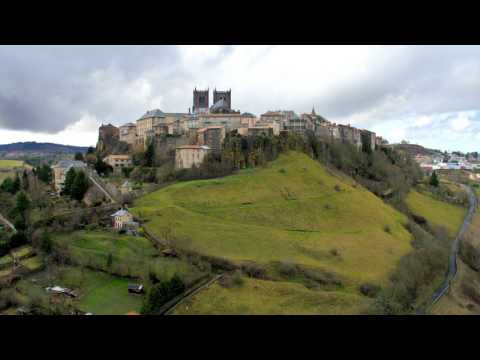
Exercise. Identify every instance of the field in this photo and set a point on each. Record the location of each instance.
(437, 213)
(262, 297)
(98, 293)
(295, 211)
(9, 164)
(131, 255)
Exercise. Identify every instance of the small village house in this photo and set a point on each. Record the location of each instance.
(121, 219)
(117, 162)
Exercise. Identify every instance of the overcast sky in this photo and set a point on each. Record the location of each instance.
(428, 95)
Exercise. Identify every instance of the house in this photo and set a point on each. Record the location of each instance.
(190, 155)
(60, 171)
(117, 162)
(121, 218)
(135, 288)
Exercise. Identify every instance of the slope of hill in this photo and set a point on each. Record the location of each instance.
(294, 211)
(41, 148)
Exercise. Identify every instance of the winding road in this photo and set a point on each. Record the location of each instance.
(452, 263)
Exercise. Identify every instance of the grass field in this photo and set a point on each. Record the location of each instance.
(437, 212)
(131, 255)
(9, 164)
(22, 251)
(33, 263)
(261, 297)
(98, 292)
(294, 210)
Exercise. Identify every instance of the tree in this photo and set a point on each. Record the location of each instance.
(434, 179)
(8, 186)
(109, 260)
(23, 203)
(90, 150)
(46, 243)
(79, 156)
(25, 180)
(150, 154)
(16, 184)
(101, 167)
(69, 179)
(80, 186)
(44, 173)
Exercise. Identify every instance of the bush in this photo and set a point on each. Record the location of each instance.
(287, 269)
(387, 229)
(337, 188)
(160, 293)
(254, 270)
(232, 280)
(369, 290)
(334, 252)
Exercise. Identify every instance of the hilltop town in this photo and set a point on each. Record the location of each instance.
(202, 130)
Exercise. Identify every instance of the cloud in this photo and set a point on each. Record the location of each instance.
(411, 91)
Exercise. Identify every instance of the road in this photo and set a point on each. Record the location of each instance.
(452, 263)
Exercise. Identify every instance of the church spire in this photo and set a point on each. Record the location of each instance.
(313, 110)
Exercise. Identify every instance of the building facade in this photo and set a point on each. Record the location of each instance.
(200, 101)
(117, 162)
(128, 133)
(212, 137)
(188, 156)
(60, 171)
(121, 219)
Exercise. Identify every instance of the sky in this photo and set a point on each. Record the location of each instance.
(427, 95)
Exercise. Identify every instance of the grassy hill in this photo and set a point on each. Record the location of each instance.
(293, 211)
(437, 213)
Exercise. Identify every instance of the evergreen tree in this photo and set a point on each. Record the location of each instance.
(90, 150)
(79, 186)
(44, 173)
(16, 184)
(69, 179)
(7, 186)
(23, 203)
(25, 180)
(79, 156)
(150, 154)
(434, 179)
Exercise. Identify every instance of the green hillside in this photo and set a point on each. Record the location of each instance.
(438, 213)
(295, 211)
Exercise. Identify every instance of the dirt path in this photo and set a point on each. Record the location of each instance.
(7, 223)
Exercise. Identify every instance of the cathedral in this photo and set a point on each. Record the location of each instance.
(222, 102)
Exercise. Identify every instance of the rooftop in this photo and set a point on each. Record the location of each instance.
(153, 113)
(120, 212)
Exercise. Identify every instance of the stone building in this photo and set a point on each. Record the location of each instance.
(212, 137)
(260, 131)
(272, 125)
(117, 162)
(226, 96)
(108, 138)
(368, 138)
(200, 101)
(60, 171)
(189, 155)
(128, 133)
(229, 121)
(146, 123)
(351, 135)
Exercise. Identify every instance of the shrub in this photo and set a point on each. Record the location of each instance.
(232, 280)
(334, 252)
(471, 292)
(287, 269)
(369, 290)
(337, 188)
(387, 229)
(160, 293)
(254, 270)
